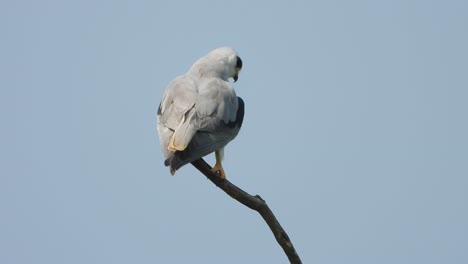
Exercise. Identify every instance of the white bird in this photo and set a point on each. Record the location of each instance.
(200, 111)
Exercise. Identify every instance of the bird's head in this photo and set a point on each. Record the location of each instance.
(222, 62)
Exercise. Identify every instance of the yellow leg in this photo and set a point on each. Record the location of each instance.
(218, 167)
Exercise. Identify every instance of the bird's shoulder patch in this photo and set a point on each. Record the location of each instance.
(239, 115)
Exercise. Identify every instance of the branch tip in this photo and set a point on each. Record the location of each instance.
(255, 203)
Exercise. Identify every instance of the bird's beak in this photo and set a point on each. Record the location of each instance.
(235, 77)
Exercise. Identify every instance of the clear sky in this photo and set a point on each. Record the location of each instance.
(355, 132)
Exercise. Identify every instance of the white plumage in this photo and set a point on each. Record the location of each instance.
(200, 111)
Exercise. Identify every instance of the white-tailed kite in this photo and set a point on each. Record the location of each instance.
(200, 111)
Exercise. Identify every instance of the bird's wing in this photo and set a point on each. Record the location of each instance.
(205, 142)
(175, 111)
(190, 105)
(180, 97)
(216, 106)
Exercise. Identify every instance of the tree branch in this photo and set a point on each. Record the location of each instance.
(255, 203)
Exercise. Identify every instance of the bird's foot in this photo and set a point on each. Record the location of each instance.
(218, 169)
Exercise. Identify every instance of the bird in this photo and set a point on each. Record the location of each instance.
(200, 112)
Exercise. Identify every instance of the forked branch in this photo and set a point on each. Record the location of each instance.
(255, 203)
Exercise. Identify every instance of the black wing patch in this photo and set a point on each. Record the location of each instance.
(239, 115)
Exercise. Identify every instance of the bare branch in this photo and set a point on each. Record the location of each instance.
(255, 203)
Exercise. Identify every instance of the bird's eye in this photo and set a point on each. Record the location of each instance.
(238, 62)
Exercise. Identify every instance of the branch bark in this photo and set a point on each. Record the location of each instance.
(255, 203)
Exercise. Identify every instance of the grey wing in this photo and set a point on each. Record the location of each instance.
(205, 142)
(217, 105)
(176, 106)
(217, 118)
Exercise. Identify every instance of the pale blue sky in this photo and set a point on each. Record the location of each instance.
(355, 132)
